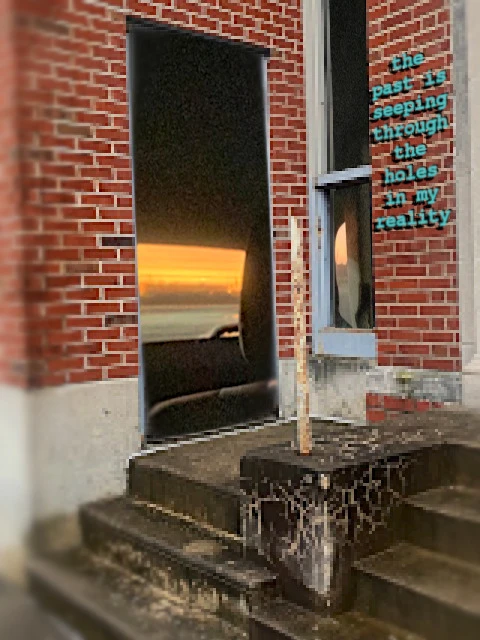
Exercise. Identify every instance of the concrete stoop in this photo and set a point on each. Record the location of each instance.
(173, 559)
(430, 581)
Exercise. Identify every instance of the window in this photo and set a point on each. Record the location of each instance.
(343, 190)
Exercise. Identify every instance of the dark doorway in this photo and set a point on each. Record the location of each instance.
(203, 231)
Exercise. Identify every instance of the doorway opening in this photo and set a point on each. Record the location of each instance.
(202, 218)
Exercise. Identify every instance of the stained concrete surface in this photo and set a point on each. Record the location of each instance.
(307, 625)
(459, 502)
(425, 572)
(104, 600)
(218, 461)
(22, 619)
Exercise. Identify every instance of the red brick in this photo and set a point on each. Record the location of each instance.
(84, 322)
(88, 375)
(89, 56)
(414, 349)
(84, 348)
(374, 400)
(82, 294)
(422, 405)
(122, 346)
(394, 403)
(102, 308)
(104, 360)
(65, 364)
(375, 415)
(123, 372)
(101, 281)
(120, 293)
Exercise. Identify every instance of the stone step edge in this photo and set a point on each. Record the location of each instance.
(65, 587)
(261, 615)
(361, 566)
(414, 502)
(202, 509)
(176, 473)
(158, 545)
(189, 521)
(260, 618)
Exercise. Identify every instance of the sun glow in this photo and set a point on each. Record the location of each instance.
(178, 266)
(341, 245)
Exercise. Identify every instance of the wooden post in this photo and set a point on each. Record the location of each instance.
(304, 430)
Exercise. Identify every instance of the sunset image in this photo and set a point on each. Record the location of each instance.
(341, 275)
(187, 292)
(341, 245)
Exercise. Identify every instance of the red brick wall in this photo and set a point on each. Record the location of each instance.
(12, 313)
(415, 270)
(81, 303)
(382, 407)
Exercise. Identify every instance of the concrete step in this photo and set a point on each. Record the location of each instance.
(157, 513)
(466, 459)
(446, 520)
(216, 505)
(22, 619)
(188, 563)
(201, 479)
(281, 620)
(426, 592)
(102, 602)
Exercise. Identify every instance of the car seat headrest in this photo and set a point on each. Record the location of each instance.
(257, 337)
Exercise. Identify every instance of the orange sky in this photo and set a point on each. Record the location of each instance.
(186, 265)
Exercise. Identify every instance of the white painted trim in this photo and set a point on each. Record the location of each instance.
(467, 142)
(313, 11)
(466, 49)
(320, 182)
(345, 177)
(142, 408)
(348, 343)
(313, 26)
(324, 225)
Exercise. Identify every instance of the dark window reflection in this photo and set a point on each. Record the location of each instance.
(349, 107)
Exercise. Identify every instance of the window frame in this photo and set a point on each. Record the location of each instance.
(327, 339)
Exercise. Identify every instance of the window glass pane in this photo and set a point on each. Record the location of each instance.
(348, 80)
(352, 258)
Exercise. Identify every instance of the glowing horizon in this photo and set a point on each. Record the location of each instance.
(182, 266)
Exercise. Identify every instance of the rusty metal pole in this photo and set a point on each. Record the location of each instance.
(304, 429)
